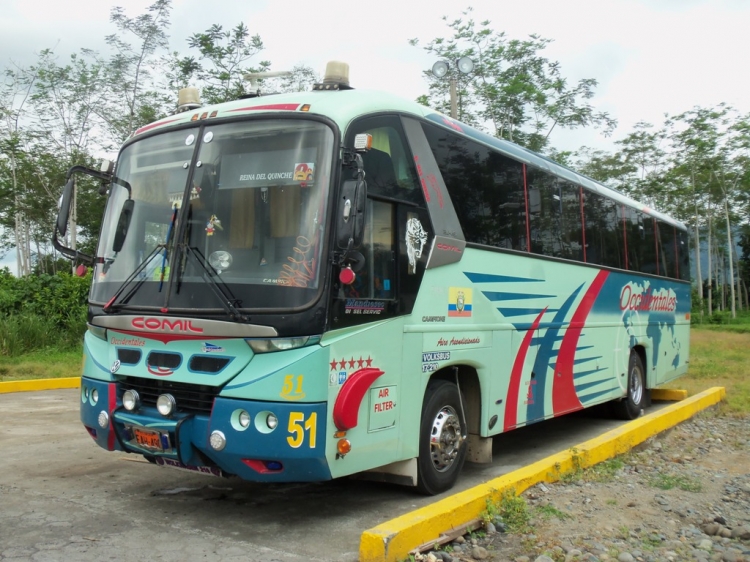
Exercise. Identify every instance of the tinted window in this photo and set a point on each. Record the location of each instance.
(668, 250)
(604, 234)
(632, 225)
(389, 167)
(683, 250)
(649, 263)
(554, 216)
(486, 189)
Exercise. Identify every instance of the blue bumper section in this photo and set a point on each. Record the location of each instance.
(293, 451)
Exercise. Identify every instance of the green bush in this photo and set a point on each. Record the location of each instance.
(41, 311)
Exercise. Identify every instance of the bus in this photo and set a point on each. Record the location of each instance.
(305, 286)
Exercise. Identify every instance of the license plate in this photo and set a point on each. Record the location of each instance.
(148, 439)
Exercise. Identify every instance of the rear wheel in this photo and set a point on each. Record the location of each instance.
(632, 405)
(442, 446)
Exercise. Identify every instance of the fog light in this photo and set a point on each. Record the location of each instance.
(94, 397)
(166, 404)
(217, 440)
(131, 400)
(244, 418)
(272, 421)
(103, 419)
(343, 446)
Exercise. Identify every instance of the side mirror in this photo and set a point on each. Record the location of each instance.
(123, 224)
(64, 211)
(350, 221)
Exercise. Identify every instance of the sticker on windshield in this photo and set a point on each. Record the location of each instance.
(304, 171)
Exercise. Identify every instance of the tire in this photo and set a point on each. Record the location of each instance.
(442, 446)
(630, 407)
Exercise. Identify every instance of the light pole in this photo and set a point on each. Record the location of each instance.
(441, 68)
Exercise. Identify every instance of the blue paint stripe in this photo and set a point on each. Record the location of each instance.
(498, 296)
(510, 312)
(546, 339)
(522, 326)
(487, 278)
(590, 397)
(579, 361)
(586, 385)
(591, 372)
(102, 367)
(583, 347)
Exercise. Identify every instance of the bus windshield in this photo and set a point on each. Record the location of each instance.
(250, 220)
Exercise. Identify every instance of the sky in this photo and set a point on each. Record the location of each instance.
(650, 57)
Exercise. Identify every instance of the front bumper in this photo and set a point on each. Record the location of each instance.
(294, 451)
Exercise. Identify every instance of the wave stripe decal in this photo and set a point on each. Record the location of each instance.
(511, 312)
(499, 296)
(487, 278)
(511, 405)
(564, 397)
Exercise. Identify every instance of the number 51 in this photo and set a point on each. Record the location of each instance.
(298, 425)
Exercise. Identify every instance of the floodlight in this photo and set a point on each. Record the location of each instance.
(440, 69)
(464, 64)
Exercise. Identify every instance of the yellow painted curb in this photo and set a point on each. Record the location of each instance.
(39, 384)
(391, 541)
(668, 394)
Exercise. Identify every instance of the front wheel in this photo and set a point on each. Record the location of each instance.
(442, 443)
(632, 405)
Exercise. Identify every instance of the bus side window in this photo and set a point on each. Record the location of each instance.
(486, 189)
(389, 171)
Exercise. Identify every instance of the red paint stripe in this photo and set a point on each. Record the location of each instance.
(514, 388)
(152, 125)
(270, 107)
(564, 397)
(112, 404)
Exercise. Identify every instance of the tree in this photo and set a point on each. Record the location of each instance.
(132, 69)
(514, 90)
(226, 54)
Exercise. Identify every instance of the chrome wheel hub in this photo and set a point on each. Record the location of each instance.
(445, 439)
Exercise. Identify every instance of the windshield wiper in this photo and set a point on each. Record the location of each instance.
(218, 286)
(113, 301)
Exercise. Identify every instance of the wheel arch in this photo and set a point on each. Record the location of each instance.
(640, 350)
(468, 381)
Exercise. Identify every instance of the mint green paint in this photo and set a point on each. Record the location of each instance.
(268, 376)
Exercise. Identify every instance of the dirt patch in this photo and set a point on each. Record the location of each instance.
(683, 495)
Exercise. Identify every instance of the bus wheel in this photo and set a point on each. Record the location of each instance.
(442, 447)
(631, 406)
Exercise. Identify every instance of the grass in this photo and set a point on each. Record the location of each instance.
(512, 510)
(719, 358)
(669, 481)
(46, 364)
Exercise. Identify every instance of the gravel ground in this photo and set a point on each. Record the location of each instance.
(683, 495)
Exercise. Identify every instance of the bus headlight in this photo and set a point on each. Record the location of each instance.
(280, 344)
(272, 421)
(166, 405)
(131, 400)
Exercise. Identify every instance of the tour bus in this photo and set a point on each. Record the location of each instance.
(305, 286)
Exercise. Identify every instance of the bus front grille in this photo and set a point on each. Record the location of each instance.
(192, 398)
